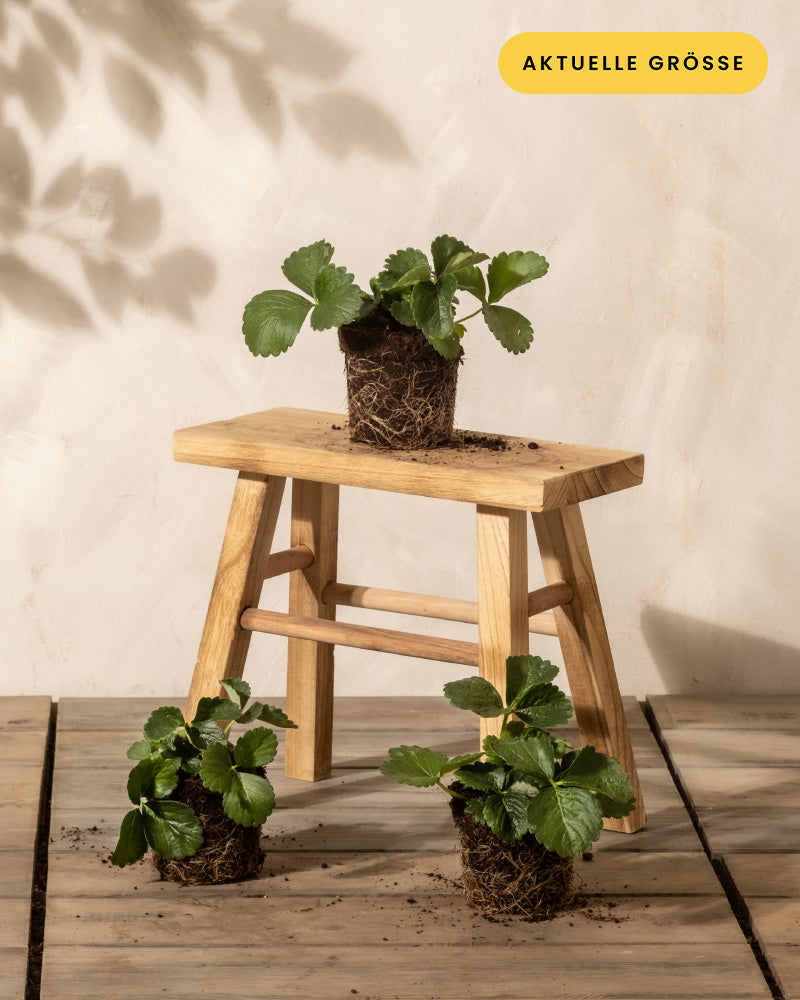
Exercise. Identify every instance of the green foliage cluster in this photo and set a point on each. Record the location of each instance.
(417, 291)
(172, 746)
(525, 781)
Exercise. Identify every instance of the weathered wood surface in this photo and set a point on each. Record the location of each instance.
(23, 738)
(737, 759)
(684, 971)
(360, 890)
(305, 444)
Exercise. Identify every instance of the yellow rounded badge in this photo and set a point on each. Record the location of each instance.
(633, 62)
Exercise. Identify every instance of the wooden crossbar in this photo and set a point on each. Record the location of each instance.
(446, 608)
(298, 557)
(361, 636)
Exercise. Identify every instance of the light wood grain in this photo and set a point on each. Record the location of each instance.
(237, 585)
(502, 596)
(381, 640)
(704, 712)
(310, 661)
(585, 647)
(437, 914)
(293, 874)
(299, 557)
(773, 873)
(445, 608)
(309, 445)
(125, 716)
(360, 891)
(683, 971)
(733, 748)
(24, 712)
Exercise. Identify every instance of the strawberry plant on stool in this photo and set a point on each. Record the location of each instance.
(200, 800)
(402, 341)
(528, 803)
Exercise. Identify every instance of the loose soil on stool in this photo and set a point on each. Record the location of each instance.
(522, 878)
(400, 391)
(228, 853)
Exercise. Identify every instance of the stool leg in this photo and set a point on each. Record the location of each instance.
(237, 585)
(309, 686)
(502, 595)
(585, 647)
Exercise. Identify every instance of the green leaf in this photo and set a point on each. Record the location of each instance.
(172, 829)
(254, 709)
(524, 788)
(402, 311)
(272, 321)
(524, 672)
(460, 761)
(511, 328)
(400, 264)
(482, 776)
(140, 750)
(506, 815)
(508, 271)
(338, 300)
(303, 266)
(414, 765)
(433, 308)
(215, 710)
(276, 717)
(475, 808)
(475, 694)
(204, 734)
(249, 800)
(472, 281)
(216, 768)
(450, 255)
(603, 776)
(132, 843)
(489, 743)
(565, 820)
(255, 748)
(544, 706)
(162, 722)
(237, 690)
(530, 756)
(187, 754)
(152, 778)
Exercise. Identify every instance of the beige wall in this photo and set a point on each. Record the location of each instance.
(158, 161)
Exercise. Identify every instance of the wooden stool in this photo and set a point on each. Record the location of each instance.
(313, 449)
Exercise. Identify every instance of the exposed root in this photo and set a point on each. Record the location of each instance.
(228, 853)
(400, 391)
(522, 878)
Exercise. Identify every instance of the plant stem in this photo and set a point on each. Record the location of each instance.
(450, 792)
(465, 318)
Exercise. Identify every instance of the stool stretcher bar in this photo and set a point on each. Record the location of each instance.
(381, 640)
(446, 608)
(298, 557)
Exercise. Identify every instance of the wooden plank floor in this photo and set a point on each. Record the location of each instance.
(23, 739)
(359, 895)
(738, 762)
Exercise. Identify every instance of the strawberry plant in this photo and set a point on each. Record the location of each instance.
(414, 289)
(525, 781)
(173, 750)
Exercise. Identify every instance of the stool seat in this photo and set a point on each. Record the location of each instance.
(525, 475)
(508, 479)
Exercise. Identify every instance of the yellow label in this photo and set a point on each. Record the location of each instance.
(633, 62)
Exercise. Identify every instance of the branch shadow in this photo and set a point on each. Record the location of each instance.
(698, 657)
(94, 215)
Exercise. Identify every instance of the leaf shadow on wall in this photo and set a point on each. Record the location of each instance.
(698, 657)
(95, 214)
